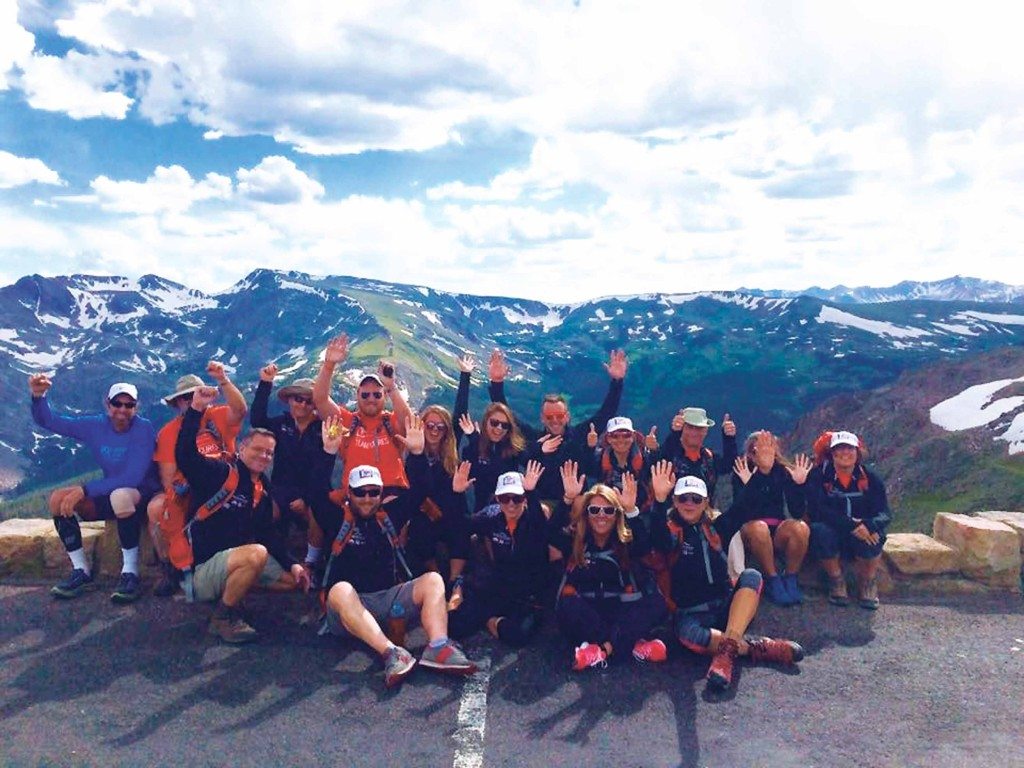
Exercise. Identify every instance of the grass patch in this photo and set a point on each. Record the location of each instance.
(34, 503)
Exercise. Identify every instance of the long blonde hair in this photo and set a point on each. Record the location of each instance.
(512, 444)
(447, 451)
(580, 528)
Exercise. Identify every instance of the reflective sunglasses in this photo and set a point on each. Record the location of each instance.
(495, 424)
(366, 492)
(438, 427)
(511, 498)
(125, 404)
(593, 510)
(689, 498)
(376, 394)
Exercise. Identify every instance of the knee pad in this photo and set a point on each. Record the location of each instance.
(693, 636)
(750, 579)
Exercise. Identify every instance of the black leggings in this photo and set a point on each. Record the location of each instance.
(583, 619)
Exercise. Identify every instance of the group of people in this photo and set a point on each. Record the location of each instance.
(460, 525)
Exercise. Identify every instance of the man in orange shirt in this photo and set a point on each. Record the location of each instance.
(216, 439)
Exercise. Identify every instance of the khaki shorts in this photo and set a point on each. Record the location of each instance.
(209, 579)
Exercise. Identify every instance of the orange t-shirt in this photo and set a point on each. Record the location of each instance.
(215, 436)
(372, 444)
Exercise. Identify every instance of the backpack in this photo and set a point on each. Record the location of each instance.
(662, 563)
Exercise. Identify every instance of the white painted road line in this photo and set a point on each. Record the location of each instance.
(469, 735)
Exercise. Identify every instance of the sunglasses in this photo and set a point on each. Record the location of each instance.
(511, 499)
(375, 394)
(593, 510)
(365, 492)
(435, 427)
(495, 424)
(623, 435)
(302, 400)
(126, 404)
(187, 398)
(689, 498)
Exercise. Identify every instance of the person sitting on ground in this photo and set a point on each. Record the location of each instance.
(559, 441)
(367, 583)
(771, 490)
(621, 450)
(370, 428)
(298, 453)
(494, 446)
(237, 547)
(689, 456)
(218, 432)
(510, 573)
(601, 606)
(121, 442)
(711, 614)
(849, 514)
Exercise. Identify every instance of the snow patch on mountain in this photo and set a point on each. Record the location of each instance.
(877, 327)
(549, 320)
(176, 300)
(975, 407)
(990, 317)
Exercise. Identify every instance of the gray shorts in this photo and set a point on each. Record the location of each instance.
(209, 579)
(379, 604)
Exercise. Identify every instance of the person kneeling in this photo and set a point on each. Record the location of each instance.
(711, 613)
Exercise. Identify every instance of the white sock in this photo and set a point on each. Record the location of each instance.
(130, 558)
(78, 560)
(312, 554)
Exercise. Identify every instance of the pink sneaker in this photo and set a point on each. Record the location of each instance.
(588, 655)
(650, 650)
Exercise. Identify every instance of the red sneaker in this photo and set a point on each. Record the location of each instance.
(588, 655)
(650, 650)
(774, 651)
(720, 671)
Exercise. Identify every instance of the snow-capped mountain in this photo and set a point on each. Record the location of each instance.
(951, 289)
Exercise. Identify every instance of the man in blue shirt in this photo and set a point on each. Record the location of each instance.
(122, 444)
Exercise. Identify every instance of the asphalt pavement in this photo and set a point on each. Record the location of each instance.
(929, 681)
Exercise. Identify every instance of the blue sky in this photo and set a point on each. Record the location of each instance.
(559, 151)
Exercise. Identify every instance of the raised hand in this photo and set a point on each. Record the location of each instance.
(466, 424)
(413, 441)
(572, 483)
(268, 372)
(628, 493)
(592, 437)
(651, 439)
(677, 421)
(616, 365)
(663, 479)
(461, 479)
(497, 368)
(765, 450)
(333, 433)
(38, 384)
(202, 397)
(742, 469)
(728, 426)
(467, 363)
(386, 371)
(550, 443)
(337, 349)
(801, 467)
(216, 371)
(534, 470)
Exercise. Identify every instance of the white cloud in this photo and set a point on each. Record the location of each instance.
(277, 180)
(77, 84)
(16, 42)
(17, 171)
(169, 189)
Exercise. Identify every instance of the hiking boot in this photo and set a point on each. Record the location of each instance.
(837, 594)
(765, 649)
(720, 671)
(588, 655)
(168, 583)
(776, 591)
(231, 628)
(448, 658)
(128, 589)
(650, 650)
(398, 663)
(869, 594)
(78, 582)
(796, 596)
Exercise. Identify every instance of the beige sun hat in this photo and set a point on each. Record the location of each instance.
(302, 387)
(186, 385)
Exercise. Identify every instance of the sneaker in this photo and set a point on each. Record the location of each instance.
(78, 582)
(398, 663)
(168, 583)
(231, 628)
(448, 658)
(837, 594)
(775, 589)
(128, 589)
(650, 650)
(765, 649)
(869, 594)
(720, 671)
(796, 596)
(588, 655)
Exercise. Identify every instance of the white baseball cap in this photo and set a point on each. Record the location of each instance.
(122, 388)
(690, 484)
(364, 474)
(844, 438)
(619, 423)
(510, 482)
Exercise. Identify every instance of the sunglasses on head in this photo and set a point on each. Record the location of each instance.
(302, 399)
(496, 424)
(376, 394)
(126, 404)
(593, 510)
(511, 498)
(367, 491)
(438, 427)
(689, 498)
